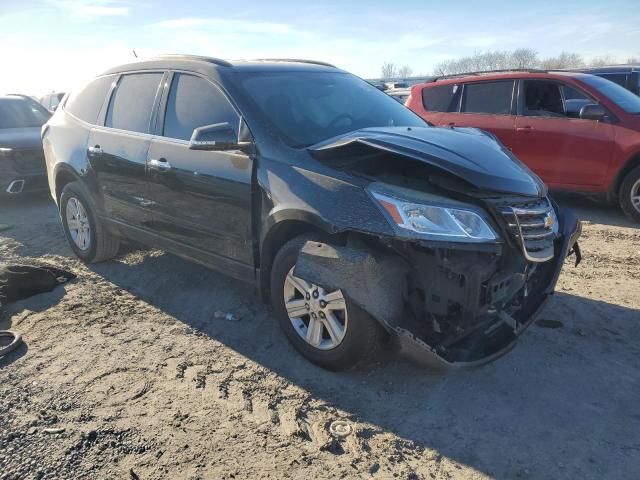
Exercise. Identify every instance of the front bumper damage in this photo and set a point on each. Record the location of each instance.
(446, 307)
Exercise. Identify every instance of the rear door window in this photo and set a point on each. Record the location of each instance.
(195, 102)
(488, 97)
(87, 103)
(443, 98)
(132, 102)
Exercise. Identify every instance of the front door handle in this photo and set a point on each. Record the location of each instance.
(95, 150)
(451, 124)
(160, 164)
(525, 129)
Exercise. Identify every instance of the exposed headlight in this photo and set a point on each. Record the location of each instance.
(436, 222)
(5, 151)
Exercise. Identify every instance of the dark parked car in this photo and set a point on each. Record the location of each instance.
(22, 167)
(627, 76)
(353, 217)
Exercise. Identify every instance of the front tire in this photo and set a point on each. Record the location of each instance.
(328, 329)
(630, 195)
(86, 235)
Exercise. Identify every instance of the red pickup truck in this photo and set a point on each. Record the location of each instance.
(577, 131)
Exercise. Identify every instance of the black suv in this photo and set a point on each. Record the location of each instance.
(355, 219)
(627, 76)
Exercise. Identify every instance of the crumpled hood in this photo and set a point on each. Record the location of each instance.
(21, 138)
(468, 153)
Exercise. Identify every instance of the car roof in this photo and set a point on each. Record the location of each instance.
(16, 96)
(610, 68)
(398, 91)
(196, 62)
(508, 75)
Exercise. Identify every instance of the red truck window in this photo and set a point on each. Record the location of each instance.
(440, 99)
(488, 97)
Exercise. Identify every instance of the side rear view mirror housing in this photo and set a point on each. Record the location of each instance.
(593, 111)
(219, 136)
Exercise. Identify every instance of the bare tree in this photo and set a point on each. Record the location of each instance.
(564, 60)
(389, 70)
(490, 60)
(632, 60)
(405, 71)
(524, 58)
(603, 60)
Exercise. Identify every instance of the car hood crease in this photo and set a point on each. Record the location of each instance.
(467, 153)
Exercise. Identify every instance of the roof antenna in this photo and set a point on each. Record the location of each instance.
(135, 54)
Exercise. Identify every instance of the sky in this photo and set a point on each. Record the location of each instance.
(56, 45)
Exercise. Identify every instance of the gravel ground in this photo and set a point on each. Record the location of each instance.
(128, 373)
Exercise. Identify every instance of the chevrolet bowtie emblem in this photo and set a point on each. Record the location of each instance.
(548, 221)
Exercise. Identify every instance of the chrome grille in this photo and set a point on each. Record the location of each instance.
(533, 225)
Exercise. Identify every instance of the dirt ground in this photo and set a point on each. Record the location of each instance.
(127, 372)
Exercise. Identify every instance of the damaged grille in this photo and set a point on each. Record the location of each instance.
(532, 224)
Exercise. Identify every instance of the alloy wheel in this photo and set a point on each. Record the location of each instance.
(78, 224)
(635, 195)
(318, 316)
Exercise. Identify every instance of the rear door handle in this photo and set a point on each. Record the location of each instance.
(525, 129)
(160, 164)
(451, 124)
(95, 150)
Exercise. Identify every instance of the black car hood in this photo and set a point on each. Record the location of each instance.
(468, 153)
(20, 138)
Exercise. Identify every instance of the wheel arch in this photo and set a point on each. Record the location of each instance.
(64, 174)
(633, 162)
(284, 227)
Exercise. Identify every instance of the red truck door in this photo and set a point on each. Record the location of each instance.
(563, 149)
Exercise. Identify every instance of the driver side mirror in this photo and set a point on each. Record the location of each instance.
(593, 111)
(219, 136)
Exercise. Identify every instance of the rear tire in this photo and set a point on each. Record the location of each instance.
(362, 336)
(101, 245)
(630, 195)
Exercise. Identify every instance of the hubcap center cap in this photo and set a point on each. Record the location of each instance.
(316, 303)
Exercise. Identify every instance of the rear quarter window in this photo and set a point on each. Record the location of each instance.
(488, 97)
(86, 103)
(132, 102)
(440, 99)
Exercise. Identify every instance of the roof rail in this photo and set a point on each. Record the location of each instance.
(202, 58)
(296, 60)
(489, 72)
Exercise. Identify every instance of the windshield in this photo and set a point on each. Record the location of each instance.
(21, 113)
(622, 97)
(308, 107)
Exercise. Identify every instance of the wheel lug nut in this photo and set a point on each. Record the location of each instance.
(307, 296)
(313, 315)
(323, 303)
(315, 294)
(321, 314)
(306, 305)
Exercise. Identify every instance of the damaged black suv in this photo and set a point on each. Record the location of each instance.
(356, 220)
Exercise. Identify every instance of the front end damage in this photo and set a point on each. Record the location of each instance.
(448, 303)
(447, 307)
